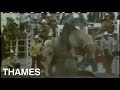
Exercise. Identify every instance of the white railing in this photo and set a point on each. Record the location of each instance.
(26, 50)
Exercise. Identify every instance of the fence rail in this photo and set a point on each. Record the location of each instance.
(16, 46)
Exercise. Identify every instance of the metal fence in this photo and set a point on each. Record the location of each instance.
(26, 45)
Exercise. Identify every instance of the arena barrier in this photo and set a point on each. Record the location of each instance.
(27, 43)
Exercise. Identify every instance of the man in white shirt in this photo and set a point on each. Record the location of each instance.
(13, 61)
(106, 43)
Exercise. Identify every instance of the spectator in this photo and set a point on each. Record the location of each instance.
(23, 17)
(115, 65)
(31, 16)
(9, 20)
(106, 44)
(112, 17)
(101, 17)
(21, 44)
(106, 25)
(82, 19)
(43, 15)
(52, 24)
(36, 52)
(65, 18)
(46, 27)
(56, 18)
(37, 27)
(90, 17)
(31, 27)
(96, 17)
(11, 34)
(14, 62)
(115, 46)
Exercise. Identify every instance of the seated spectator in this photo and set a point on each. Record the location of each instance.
(14, 62)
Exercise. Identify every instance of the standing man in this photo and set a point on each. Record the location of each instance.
(106, 43)
(106, 25)
(36, 52)
(115, 47)
(9, 20)
(52, 22)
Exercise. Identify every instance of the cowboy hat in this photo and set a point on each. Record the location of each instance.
(105, 33)
(48, 14)
(36, 36)
(11, 51)
(10, 18)
(44, 21)
(60, 26)
(75, 15)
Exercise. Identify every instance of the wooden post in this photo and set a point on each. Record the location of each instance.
(27, 52)
(16, 50)
(10, 44)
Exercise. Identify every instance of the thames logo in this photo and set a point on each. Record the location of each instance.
(30, 71)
